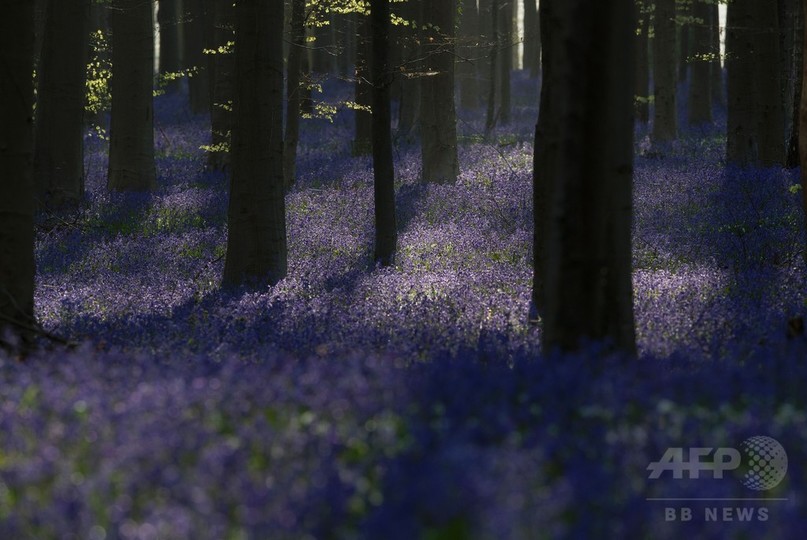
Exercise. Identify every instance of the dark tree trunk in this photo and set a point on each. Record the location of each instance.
(797, 68)
(466, 69)
(59, 149)
(665, 123)
(683, 31)
(293, 91)
(17, 267)
(438, 119)
(195, 39)
(803, 122)
(131, 134)
(168, 16)
(361, 142)
(717, 86)
(221, 114)
(409, 82)
(700, 92)
(643, 66)
(588, 62)
(256, 219)
(491, 115)
(383, 170)
(505, 58)
(532, 39)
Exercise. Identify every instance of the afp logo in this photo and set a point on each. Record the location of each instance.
(762, 462)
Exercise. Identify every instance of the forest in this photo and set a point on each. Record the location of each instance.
(402, 269)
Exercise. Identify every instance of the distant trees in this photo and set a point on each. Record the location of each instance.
(583, 175)
(61, 94)
(17, 265)
(131, 134)
(256, 217)
(438, 119)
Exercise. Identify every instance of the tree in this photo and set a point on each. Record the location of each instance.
(532, 39)
(131, 135)
(61, 92)
(383, 171)
(493, 64)
(17, 267)
(197, 30)
(792, 158)
(700, 91)
(256, 217)
(438, 118)
(803, 122)
(718, 90)
(363, 90)
(755, 126)
(643, 64)
(293, 90)
(665, 123)
(168, 16)
(505, 19)
(466, 70)
(583, 174)
(221, 81)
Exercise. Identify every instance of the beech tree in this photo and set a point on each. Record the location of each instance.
(438, 118)
(131, 133)
(221, 36)
(643, 64)
(700, 92)
(169, 13)
(665, 123)
(383, 171)
(17, 266)
(293, 90)
(583, 168)
(256, 217)
(61, 93)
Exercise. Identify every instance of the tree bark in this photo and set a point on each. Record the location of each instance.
(798, 68)
(256, 218)
(131, 137)
(383, 170)
(293, 91)
(532, 39)
(59, 148)
(803, 122)
(491, 116)
(195, 38)
(17, 266)
(665, 123)
(221, 102)
(585, 142)
(717, 86)
(466, 70)
(438, 119)
(505, 19)
(168, 16)
(700, 92)
(642, 66)
(361, 142)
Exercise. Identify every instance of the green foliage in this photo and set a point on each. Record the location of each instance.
(99, 73)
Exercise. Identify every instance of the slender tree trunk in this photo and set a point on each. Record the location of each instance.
(409, 82)
(769, 105)
(221, 114)
(587, 274)
(700, 92)
(131, 137)
(383, 170)
(256, 232)
(438, 119)
(293, 91)
(59, 149)
(643, 66)
(741, 143)
(532, 39)
(361, 142)
(168, 17)
(682, 28)
(17, 267)
(505, 59)
(665, 123)
(717, 86)
(798, 68)
(491, 115)
(466, 70)
(195, 38)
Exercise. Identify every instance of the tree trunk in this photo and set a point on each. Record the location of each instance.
(409, 106)
(643, 66)
(803, 121)
(168, 16)
(59, 149)
(256, 219)
(665, 123)
(491, 115)
(17, 267)
(466, 70)
(532, 39)
(700, 92)
(717, 86)
(383, 170)
(683, 31)
(293, 91)
(221, 102)
(770, 107)
(798, 68)
(195, 38)
(438, 119)
(505, 58)
(588, 57)
(131, 137)
(361, 142)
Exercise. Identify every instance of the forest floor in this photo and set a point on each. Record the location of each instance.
(411, 402)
